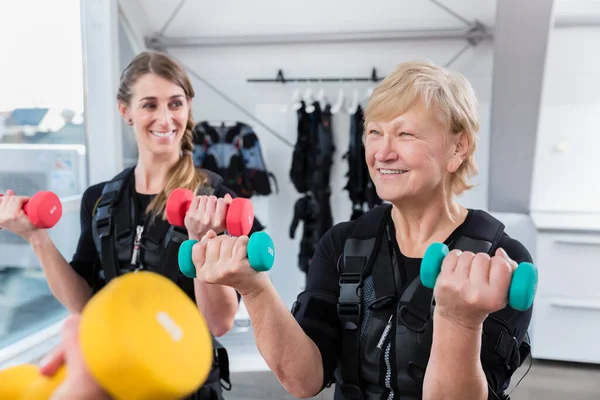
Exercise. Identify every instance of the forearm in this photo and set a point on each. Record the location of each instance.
(454, 370)
(287, 350)
(65, 284)
(71, 392)
(218, 304)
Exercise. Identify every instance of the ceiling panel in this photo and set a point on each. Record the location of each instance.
(212, 18)
(577, 8)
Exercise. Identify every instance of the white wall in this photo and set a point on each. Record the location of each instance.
(227, 68)
(567, 162)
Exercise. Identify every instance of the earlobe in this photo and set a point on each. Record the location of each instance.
(123, 110)
(455, 163)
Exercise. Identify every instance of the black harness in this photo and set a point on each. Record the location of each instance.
(388, 338)
(114, 230)
(114, 225)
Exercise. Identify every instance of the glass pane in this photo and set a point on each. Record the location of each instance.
(42, 147)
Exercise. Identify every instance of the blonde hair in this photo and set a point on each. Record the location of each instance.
(183, 174)
(447, 91)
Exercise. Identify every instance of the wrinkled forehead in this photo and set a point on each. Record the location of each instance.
(418, 114)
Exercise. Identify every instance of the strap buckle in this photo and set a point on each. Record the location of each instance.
(104, 221)
(110, 195)
(514, 359)
(407, 309)
(350, 300)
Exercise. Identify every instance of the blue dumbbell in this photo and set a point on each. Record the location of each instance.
(523, 285)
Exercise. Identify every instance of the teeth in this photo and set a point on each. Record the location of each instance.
(392, 171)
(163, 134)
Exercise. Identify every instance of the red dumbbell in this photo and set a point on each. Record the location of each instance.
(43, 209)
(239, 216)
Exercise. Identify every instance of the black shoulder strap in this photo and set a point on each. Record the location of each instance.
(106, 229)
(480, 233)
(168, 260)
(358, 259)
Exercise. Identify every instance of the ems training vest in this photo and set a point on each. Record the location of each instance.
(387, 329)
(116, 226)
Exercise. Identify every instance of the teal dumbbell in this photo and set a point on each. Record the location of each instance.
(523, 285)
(261, 254)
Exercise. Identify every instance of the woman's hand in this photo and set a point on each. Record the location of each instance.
(78, 384)
(223, 260)
(12, 216)
(206, 213)
(472, 286)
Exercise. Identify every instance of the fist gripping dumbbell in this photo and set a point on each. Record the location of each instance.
(43, 209)
(141, 338)
(261, 254)
(523, 285)
(239, 217)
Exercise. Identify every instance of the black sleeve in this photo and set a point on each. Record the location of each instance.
(494, 366)
(86, 261)
(316, 307)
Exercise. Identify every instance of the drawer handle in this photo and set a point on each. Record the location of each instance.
(577, 304)
(580, 241)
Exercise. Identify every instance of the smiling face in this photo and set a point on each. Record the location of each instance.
(420, 134)
(159, 112)
(412, 156)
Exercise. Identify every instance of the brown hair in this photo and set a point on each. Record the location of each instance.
(448, 92)
(183, 174)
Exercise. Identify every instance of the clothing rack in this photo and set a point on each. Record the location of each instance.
(280, 78)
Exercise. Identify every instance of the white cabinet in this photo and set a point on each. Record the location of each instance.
(566, 319)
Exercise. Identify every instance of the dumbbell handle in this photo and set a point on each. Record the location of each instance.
(261, 254)
(523, 285)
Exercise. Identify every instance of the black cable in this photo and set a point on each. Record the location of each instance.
(528, 369)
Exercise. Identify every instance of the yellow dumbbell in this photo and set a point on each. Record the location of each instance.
(141, 338)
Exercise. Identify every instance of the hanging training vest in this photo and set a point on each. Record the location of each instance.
(114, 223)
(234, 153)
(310, 173)
(387, 330)
(360, 187)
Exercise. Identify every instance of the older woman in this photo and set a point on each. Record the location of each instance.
(365, 320)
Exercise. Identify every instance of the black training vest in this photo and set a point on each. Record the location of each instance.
(114, 229)
(387, 329)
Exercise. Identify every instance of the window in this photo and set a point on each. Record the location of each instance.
(42, 147)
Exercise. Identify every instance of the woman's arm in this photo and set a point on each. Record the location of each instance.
(71, 283)
(218, 304)
(455, 369)
(66, 285)
(292, 356)
(300, 347)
